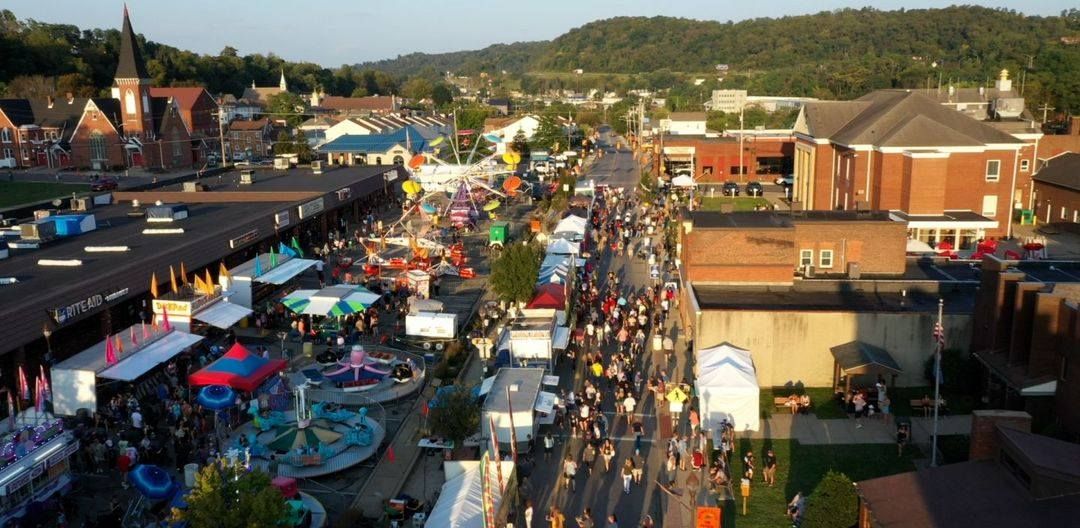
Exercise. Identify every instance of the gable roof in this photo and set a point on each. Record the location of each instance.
(260, 95)
(687, 116)
(239, 125)
(131, 65)
(185, 96)
(1044, 453)
(857, 355)
(110, 108)
(1062, 170)
(373, 143)
(898, 118)
(18, 111)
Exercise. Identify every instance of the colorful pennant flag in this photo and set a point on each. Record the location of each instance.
(223, 271)
(183, 274)
(273, 258)
(390, 453)
(199, 284)
(165, 319)
(209, 280)
(145, 334)
(513, 432)
(296, 245)
(110, 352)
(258, 271)
(24, 387)
(153, 285)
(495, 447)
(119, 345)
(134, 342)
(10, 410)
(39, 399)
(45, 383)
(487, 498)
(172, 280)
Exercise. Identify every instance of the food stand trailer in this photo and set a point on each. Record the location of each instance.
(34, 465)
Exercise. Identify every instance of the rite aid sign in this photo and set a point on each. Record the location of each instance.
(67, 313)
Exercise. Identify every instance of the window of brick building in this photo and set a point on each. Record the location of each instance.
(1025, 165)
(5, 135)
(806, 258)
(826, 258)
(989, 205)
(993, 170)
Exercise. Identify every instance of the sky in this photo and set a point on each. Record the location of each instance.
(336, 32)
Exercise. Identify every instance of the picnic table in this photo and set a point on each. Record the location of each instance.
(927, 405)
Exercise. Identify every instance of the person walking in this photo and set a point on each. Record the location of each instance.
(612, 521)
(769, 472)
(528, 513)
(681, 451)
(639, 469)
(549, 444)
(569, 472)
(608, 452)
(628, 405)
(555, 518)
(588, 458)
(585, 520)
(627, 474)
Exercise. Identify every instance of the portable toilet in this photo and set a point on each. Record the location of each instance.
(500, 233)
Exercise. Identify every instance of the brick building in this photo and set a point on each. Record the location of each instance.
(200, 113)
(765, 156)
(1057, 190)
(773, 248)
(36, 132)
(901, 151)
(250, 138)
(1027, 336)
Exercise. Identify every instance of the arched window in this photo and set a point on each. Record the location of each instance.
(5, 135)
(97, 146)
(378, 160)
(398, 160)
(129, 102)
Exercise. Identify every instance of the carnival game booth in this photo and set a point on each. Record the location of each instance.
(727, 388)
(34, 464)
(520, 409)
(203, 302)
(259, 279)
(461, 500)
(239, 369)
(126, 357)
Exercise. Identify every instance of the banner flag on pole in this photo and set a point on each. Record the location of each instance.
(495, 448)
(513, 432)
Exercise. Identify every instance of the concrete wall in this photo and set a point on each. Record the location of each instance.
(790, 346)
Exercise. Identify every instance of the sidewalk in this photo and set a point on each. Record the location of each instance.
(809, 429)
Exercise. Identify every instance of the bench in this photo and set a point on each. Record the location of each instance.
(918, 404)
(781, 402)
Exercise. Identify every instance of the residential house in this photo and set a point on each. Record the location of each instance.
(358, 106)
(502, 105)
(391, 148)
(1057, 190)
(1027, 337)
(684, 123)
(200, 113)
(250, 139)
(951, 177)
(36, 133)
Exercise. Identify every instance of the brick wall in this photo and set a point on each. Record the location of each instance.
(1067, 399)
(80, 142)
(723, 154)
(984, 436)
(926, 179)
(878, 247)
(1050, 199)
(739, 255)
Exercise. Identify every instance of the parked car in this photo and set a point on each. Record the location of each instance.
(754, 189)
(788, 180)
(104, 184)
(730, 189)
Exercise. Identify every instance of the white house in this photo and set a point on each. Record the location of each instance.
(508, 127)
(684, 123)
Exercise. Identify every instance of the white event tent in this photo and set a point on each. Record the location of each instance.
(460, 503)
(728, 388)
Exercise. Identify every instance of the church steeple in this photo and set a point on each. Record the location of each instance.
(131, 65)
(281, 84)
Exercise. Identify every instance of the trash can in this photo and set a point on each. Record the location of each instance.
(190, 471)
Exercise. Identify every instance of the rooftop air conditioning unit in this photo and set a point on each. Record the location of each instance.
(247, 177)
(854, 272)
(84, 203)
(44, 213)
(808, 271)
(192, 186)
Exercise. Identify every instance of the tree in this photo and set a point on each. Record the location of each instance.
(286, 106)
(549, 134)
(520, 143)
(457, 416)
(283, 144)
(833, 504)
(228, 496)
(514, 273)
(359, 91)
(441, 95)
(418, 89)
(302, 148)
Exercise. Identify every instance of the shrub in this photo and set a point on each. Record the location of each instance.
(833, 503)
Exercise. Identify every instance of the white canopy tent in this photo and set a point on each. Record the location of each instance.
(571, 228)
(562, 246)
(728, 388)
(683, 180)
(222, 314)
(460, 503)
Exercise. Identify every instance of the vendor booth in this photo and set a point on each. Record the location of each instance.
(571, 228)
(533, 339)
(334, 301)
(257, 279)
(524, 385)
(562, 246)
(125, 356)
(552, 295)
(34, 465)
(727, 388)
(239, 369)
(460, 503)
(206, 303)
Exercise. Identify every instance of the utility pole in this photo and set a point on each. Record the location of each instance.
(1045, 108)
(221, 133)
(742, 169)
(939, 344)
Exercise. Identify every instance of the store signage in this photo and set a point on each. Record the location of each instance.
(177, 308)
(281, 219)
(67, 313)
(116, 295)
(312, 208)
(63, 454)
(245, 238)
(344, 194)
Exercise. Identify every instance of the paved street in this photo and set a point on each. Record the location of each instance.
(617, 168)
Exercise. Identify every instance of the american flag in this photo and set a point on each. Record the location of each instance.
(939, 334)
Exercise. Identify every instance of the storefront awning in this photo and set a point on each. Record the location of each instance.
(149, 357)
(545, 402)
(285, 271)
(222, 314)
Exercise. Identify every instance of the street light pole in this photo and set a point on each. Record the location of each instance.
(939, 344)
(742, 169)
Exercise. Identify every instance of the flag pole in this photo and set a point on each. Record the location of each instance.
(939, 343)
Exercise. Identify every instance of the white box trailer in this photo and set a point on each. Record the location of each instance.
(524, 387)
(431, 329)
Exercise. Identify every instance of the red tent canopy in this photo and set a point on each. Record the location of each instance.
(238, 369)
(551, 295)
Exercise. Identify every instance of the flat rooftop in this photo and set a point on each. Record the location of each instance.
(268, 179)
(26, 305)
(721, 297)
(779, 219)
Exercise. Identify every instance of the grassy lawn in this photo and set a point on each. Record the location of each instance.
(956, 403)
(821, 401)
(18, 193)
(800, 467)
(742, 203)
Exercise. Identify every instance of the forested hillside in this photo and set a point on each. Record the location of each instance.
(839, 54)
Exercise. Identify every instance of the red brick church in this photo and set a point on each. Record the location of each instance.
(130, 129)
